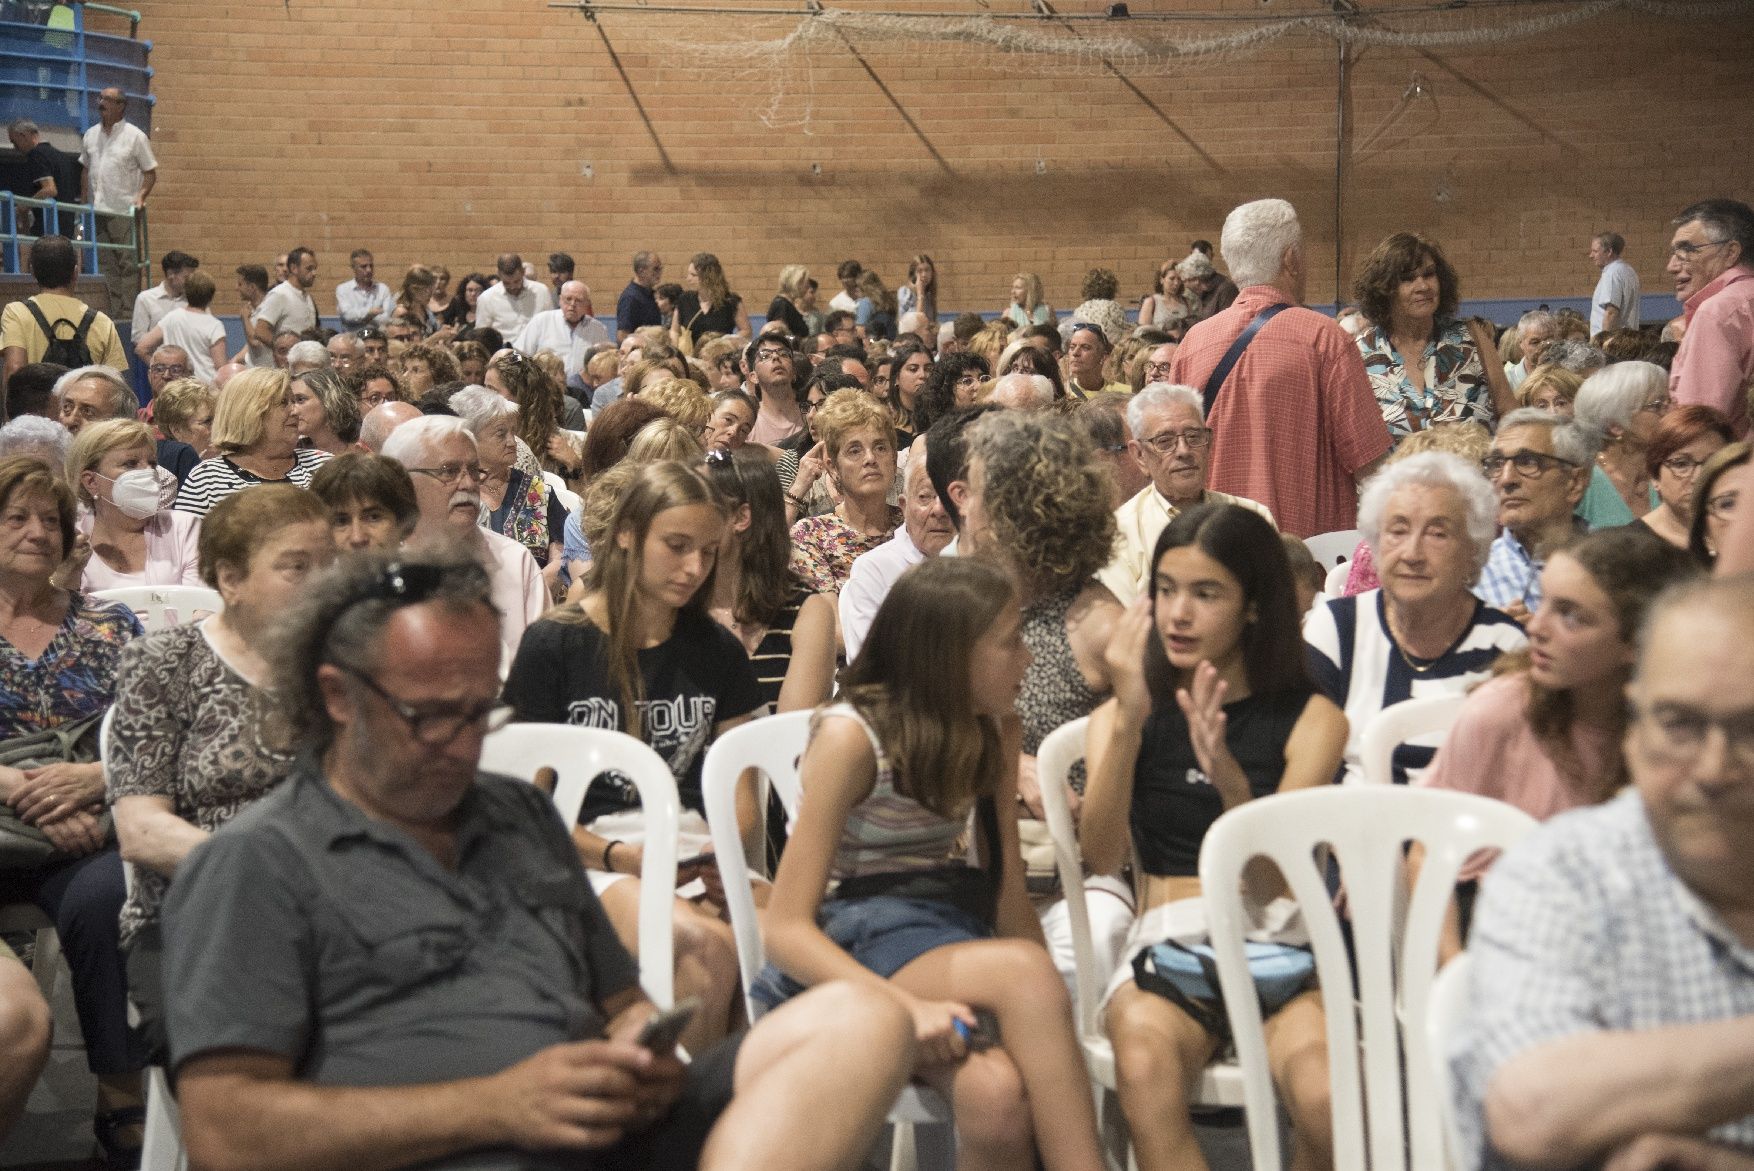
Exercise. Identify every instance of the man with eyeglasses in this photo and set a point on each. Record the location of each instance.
(167, 364)
(569, 330)
(120, 172)
(773, 367)
(1611, 997)
(396, 959)
(440, 454)
(1540, 466)
(1712, 260)
(1171, 443)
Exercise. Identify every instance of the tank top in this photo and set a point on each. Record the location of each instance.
(889, 832)
(1173, 802)
(1054, 690)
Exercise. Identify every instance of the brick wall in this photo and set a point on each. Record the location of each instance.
(441, 132)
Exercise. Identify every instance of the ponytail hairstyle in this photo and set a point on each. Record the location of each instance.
(911, 681)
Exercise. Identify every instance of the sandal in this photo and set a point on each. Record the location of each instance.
(109, 1127)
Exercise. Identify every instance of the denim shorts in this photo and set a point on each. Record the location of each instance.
(883, 932)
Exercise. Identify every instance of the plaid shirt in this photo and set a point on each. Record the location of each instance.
(1584, 927)
(1511, 575)
(1296, 418)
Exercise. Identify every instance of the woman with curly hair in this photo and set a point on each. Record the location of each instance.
(1425, 365)
(951, 386)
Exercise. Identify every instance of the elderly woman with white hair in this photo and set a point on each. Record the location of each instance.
(514, 502)
(1429, 520)
(35, 436)
(1623, 403)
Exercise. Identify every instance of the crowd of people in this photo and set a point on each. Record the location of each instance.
(351, 948)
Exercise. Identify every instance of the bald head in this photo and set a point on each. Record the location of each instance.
(1023, 392)
(375, 428)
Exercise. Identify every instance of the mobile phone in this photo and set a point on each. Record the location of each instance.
(663, 1029)
(985, 1033)
(698, 862)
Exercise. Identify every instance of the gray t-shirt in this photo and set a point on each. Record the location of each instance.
(1617, 286)
(309, 930)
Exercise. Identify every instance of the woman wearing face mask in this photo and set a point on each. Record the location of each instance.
(136, 539)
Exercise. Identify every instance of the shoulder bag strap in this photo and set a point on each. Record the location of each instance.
(1222, 371)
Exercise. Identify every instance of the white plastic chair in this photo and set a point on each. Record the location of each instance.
(1330, 549)
(1443, 1016)
(569, 499)
(1334, 585)
(775, 744)
(1394, 726)
(1366, 829)
(162, 606)
(1221, 1082)
(577, 756)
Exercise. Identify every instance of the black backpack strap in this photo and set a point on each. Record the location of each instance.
(1227, 363)
(42, 322)
(84, 324)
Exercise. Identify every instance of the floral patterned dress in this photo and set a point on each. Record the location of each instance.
(1455, 380)
(824, 548)
(74, 677)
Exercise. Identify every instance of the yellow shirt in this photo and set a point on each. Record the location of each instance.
(1141, 521)
(18, 329)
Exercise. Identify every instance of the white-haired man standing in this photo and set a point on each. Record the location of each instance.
(440, 453)
(1295, 424)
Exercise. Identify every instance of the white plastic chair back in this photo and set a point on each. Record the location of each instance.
(1060, 749)
(773, 744)
(1443, 1016)
(163, 606)
(1365, 828)
(1394, 726)
(569, 499)
(1334, 585)
(1330, 549)
(577, 756)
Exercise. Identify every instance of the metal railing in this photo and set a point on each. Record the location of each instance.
(46, 60)
(15, 242)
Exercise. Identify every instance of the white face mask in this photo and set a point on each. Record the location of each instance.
(142, 493)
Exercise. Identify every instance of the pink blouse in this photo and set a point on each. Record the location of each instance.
(170, 554)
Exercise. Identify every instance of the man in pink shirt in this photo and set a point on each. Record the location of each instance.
(1295, 424)
(1711, 258)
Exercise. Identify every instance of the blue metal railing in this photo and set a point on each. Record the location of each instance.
(52, 68)
(16, 239)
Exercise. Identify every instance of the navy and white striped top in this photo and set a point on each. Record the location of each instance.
(215, 479)
(1357, 664)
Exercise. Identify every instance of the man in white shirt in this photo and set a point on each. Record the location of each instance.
(440, 454)
(120, 171)
(151, 306)
(569, 331)
(362, 300)
(848, 297)
(252, 289)
(1171, 442)
(924, 531)
(288, 307)
(1614, 304)
(509, 305)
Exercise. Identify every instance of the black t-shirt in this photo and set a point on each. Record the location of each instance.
(721, 318)
(783, 310)
(1173, 802)
(43, 161)
(697, 678)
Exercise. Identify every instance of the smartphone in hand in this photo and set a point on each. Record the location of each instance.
(663, 1029)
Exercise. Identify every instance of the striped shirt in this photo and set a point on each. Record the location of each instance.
(1358, 665)
(1584, 927)
(772, 656)
(889, 832)
(215, 479)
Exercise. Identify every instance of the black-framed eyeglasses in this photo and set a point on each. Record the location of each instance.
(435, 728)
(1156, 371)
(1686, 250)
(1532, 464)
(1681, 733)
(1682, 465)
(453, 473)
(772, 354)
(168, 371)
(1166, 442)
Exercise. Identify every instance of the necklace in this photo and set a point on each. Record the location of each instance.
(1415, 664)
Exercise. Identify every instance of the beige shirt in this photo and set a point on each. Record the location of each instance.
(1141, 521)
